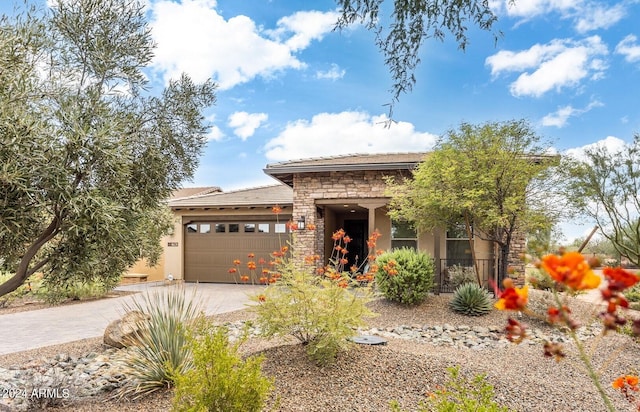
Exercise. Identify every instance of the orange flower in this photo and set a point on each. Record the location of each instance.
(284, 249)
(572, 270)
(261, 261)
(236, 262)
(347, 239)
(244, 278)
(251, 265)
(338, 235)
(251, 255)
(262, 298)
(311, 226)
(343, 284)
(263, 280)
(621, 381)
(619, 279)
(233, 270)
(265, 271)
(276, 209)
(512, 298)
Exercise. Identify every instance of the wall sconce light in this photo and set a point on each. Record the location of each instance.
(301, 223)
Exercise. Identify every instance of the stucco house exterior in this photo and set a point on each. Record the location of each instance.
(212, 229)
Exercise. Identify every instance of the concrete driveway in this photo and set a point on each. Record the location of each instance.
(61, 324)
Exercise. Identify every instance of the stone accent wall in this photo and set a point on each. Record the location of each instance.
(516, 260)
(309, 187)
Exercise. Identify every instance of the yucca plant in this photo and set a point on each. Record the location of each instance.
(471, 300)
(159, 351)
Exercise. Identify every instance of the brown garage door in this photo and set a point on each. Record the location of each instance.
(211, 246)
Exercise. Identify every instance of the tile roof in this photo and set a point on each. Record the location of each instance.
(194, 191)
(256, 196)
(283, 171)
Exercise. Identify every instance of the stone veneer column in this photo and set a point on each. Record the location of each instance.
(516, 258)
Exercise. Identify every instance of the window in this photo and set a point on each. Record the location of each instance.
(192, 228)
(221, 228)
(458, 248)
(263, 227)
(280, 228)
(234, 228)
(249, 227)
(205, 228)
(403, 234)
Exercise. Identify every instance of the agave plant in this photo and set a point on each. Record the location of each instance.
(471, 300)
(159, 350)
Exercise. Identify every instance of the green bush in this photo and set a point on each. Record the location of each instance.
(159, 351)
(471, 300)
(321, 312)
(540, 280)
(220, 379)
(405, 275)
(31, 286)
(460, 395)
(459, 274)
(74, 290)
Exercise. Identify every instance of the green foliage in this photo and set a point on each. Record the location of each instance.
(405, 275)
(88, 155)
(321, 312)
(471, 300)
(160, 350)
(539, 279)
(90, 288)
(633, 296)
(459, 274)
(220, 379)
(495, 176)
(460, 395)
(604, 187)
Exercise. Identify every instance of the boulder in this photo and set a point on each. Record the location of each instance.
(121, 332)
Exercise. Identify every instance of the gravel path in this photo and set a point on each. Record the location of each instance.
(367, 378)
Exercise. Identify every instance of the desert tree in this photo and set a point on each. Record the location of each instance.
(494, 178)
(604, 185)
(88, 155)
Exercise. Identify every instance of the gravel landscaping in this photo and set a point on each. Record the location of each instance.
(422, 342)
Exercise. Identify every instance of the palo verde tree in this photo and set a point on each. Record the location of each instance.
(605, 186)
(87, 155)
(401, 34)
(488, 177)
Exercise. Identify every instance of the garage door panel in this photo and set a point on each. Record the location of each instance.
(208, 256)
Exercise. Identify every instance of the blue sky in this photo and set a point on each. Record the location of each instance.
(291, 87)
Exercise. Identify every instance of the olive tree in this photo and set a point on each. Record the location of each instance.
(87, 154)
(493, 177)
(604, 185)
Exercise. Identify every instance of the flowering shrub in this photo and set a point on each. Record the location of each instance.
(405, 275)
(319, 306)
(459, 394)
(572, 271)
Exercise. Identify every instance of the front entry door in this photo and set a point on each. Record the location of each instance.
(356, 229)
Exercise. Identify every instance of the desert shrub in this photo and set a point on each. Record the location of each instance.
(471, 300)
(459, 274)
(460, 394)
(633, 296)
(405, 275)
(539, 279)
(30, 286)
(220, 379)
(159, 351)
(74, 290)
(321, 311)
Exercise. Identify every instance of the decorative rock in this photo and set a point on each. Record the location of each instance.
(121, 332)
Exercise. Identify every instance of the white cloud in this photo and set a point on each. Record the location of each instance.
(303, 27)
(245, 124)
(532, 8)
(556, 65)
(599, 17)
(329, 134)
(215, 134)
(611, 143)
(334, 73)
(560, 117)
(193, 38)
(629, 48)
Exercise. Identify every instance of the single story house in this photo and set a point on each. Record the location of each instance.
(214, 228)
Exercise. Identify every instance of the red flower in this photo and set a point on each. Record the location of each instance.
(619, 279)
(512, 298)
(251, 255)
(233, 270)
(516, 332)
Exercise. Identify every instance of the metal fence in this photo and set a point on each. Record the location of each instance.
(450, 270)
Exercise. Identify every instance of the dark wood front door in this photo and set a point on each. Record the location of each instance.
(356, 229)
